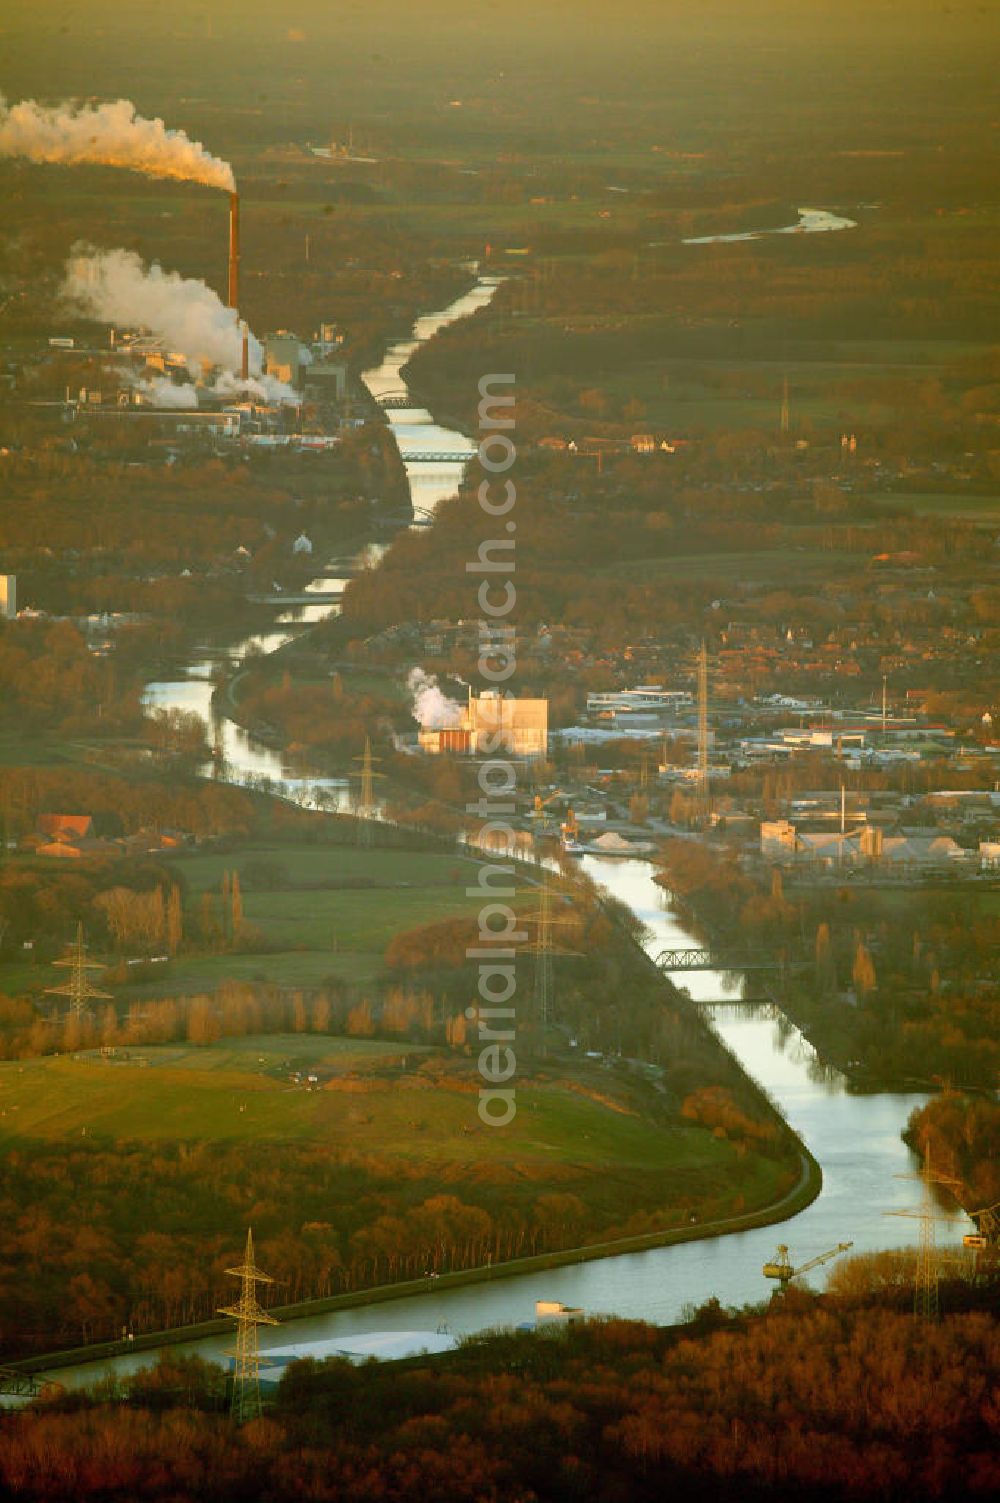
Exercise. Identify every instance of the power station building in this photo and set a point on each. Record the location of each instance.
(285, 357)
(326, 381)
(490, 726)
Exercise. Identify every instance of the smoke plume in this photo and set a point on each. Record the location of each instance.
(112, 134)
(265, 388)
(431, 706)
(164, 393)
(113, 286)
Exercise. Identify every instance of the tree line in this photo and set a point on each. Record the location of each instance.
(808, 1403)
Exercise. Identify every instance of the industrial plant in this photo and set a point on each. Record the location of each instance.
(492, 723)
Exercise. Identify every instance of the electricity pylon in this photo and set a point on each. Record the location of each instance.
(703, 793)
(987, 1219)
(543, 948)
(248, 1315)
(366, 808)
(927, 1273)
(78, 988)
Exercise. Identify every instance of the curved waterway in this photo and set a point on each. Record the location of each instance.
(856, 1139)
(810, 222)
(245, 758)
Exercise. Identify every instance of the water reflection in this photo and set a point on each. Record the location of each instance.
(856, 1139)
(414, 427)
(240, 756)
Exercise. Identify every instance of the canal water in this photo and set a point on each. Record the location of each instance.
(809, 222)
(855, 1138)
(245, 758)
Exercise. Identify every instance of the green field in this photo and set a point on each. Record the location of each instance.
(397, 1100)
(308, 863)
(315, 927)
(310, 926)
(971, 508)
(682, 396)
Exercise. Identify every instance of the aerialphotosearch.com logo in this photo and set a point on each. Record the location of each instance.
(496, 953)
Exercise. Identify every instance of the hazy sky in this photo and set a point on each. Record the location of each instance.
(687, 60)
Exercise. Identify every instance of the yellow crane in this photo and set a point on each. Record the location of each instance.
(782, 1270)
(987, 1233)
(541, 802)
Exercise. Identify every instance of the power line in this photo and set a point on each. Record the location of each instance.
(78, 988)
(543, 948)
(926, 1274)
(248, 1315)
(366, 808)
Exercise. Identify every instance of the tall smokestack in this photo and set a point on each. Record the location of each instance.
(234, 251)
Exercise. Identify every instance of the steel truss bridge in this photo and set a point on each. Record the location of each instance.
(394, 400)
(24, 1385)
(418, 517)
(706, 960)
(436, 456)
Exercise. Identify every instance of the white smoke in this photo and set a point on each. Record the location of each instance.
(112, 134)
(115, 287)
(164, 393)
(431, 706)
(265, 388)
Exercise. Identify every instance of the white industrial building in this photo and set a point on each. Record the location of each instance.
(644, 699)
(781, 840)
(491, 725)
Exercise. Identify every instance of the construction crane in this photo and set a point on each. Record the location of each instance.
(544, 817)
(540, 802)
(782, 1270)
(987, 1233)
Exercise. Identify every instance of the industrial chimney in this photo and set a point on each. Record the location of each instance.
(234, 250)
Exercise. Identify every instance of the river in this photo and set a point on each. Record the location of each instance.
(856, 1139)
(246, 759)
(809, 222)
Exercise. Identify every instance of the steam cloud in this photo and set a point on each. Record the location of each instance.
(113, 286)
(112, 134)
(164, 393)
(431, 706)
(267, 388)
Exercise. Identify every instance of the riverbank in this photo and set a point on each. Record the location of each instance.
(794, 1200)
(807, 1189)
(835, 1052)
(655, 1275)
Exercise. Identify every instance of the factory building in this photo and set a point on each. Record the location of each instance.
(493, 725)
(326, 381)
(781, 840)
(285, 357)
(646, 699)
(8, 597)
